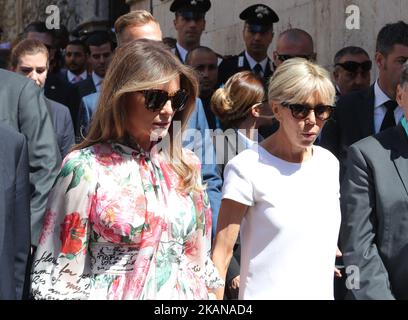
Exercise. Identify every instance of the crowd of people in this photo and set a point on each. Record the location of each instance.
(136, 167)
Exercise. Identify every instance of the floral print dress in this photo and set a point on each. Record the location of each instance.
(116, 228)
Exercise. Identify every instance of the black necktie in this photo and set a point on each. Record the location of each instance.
(389, 119)
(257, 70)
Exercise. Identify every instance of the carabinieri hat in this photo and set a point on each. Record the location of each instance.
(191, 9)
(259, 17)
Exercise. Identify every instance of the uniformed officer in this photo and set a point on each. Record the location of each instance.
(258, 35)
(189, 24)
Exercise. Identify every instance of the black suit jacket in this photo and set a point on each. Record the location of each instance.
(86, 87)
(22, 106)
(352, 121)
(63, 74)
(231, 66)
(57, 89)
(14, 212)
(374, 203)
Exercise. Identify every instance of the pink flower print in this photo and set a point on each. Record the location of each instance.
(108, 157)
(153, 230)
(72, 234)
(191, 246)
(48, 227)
(110, 234)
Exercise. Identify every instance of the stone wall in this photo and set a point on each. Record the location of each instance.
(323, 19)
(15, 14)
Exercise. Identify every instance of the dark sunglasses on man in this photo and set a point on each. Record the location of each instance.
(353, 66)
(284, 57)
(302, 111)
(156, 99)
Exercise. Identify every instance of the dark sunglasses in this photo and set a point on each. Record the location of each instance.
(301, 111)
(284, 57)
(353, 66)
(155, 99)
(28, 70)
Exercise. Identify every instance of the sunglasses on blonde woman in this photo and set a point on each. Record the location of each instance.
(301, 111)
(156, 99)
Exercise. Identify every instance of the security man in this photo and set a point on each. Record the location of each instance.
(258, 35)
(189, 24)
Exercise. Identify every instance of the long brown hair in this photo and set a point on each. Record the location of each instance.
(140, 65)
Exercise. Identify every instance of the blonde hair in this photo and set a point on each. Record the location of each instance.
(133, 18)
(27, 47)
(141, 65)
(232, 103)
(295, 80)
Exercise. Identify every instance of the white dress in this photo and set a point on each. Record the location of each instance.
(289, 233)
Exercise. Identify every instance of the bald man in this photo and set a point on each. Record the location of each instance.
(204, 61)
(293, 43)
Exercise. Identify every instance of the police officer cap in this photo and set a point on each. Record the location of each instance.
(191, 9)
(259, 17)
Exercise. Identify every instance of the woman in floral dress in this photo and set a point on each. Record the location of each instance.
(128, 217)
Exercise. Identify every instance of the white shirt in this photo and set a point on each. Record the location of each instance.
(97, 80)
(379, 109)
(71, 77)
(183, 52)
(253, 62)
(289, 232)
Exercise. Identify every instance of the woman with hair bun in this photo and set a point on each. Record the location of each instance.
(242, 108)
(241, 105)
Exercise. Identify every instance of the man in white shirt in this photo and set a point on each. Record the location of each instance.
(257, 35)
(352, 66)
(101, 52)
(189, 24)
(76, 57)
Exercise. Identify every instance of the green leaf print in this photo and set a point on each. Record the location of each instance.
(69, 167)
(191, 225)
(163, 273)
(137, 230)
(70, 256)
(76, 177)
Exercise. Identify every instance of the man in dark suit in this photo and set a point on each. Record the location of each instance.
(374, 202)
(257, 35)
(204, 61)
(352, 66)
(22, 106)
(364, 113)
(189, 24)
(101, 52)
(14, 212)
(55, 87)
(76, 57)
(30, 59)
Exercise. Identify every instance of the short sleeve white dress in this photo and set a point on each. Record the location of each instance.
(289, 233)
